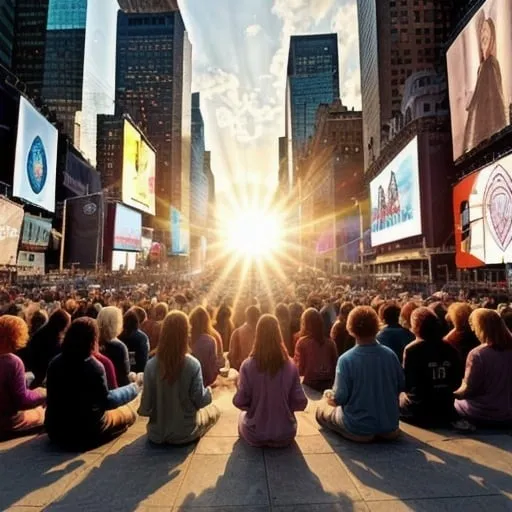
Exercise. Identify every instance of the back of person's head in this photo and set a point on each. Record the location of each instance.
(92, 312)
(130, 322)
(363, 323)
(37, 320)
(140, 312)
(161, 310)
(81, 339)
(58, 322)
(389, 313)
(507, 318)
(173, 345)
(200, 323)
(13, 334)
(252, 315)
(110, 323)
(345, 309)
(425, 325)
(406, 312)
(223, 316)
(490, 329)
(283, 313)
(312, 325)
(269, 350)
(458, 314)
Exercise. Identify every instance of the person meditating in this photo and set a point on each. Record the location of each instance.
(364, 403)
(269, 390)
(179, 407)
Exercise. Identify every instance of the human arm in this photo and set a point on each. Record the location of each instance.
(199, 395)
(473, 377)
(411, 372)
(297, 399)
(243, 396)
(342, 383)
(234, 350)
(142, 354)
(24, 398)
(298, 357)
(147, 402)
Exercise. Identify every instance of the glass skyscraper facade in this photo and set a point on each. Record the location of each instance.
(313, 79)
(79, 66)
(7, 14)
(153, 85)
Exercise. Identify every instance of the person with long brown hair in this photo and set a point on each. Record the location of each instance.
(461, 337)
(203, 345)
(242, 339)
(224, 325)
(485, 396)
(315, 355)
(284, 319)
(179, 407)
(269, 390)
(339, 334)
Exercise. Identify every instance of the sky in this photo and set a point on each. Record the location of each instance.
(240, 52)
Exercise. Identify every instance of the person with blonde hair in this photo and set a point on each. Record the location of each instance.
(315, 355)
(179, 407)
(203, 344)
(269, 390)
(461, 337)
(110, 324)
(364, 404)
(21, 411)
(485, 396)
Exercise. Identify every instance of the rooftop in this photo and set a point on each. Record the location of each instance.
(148, 6)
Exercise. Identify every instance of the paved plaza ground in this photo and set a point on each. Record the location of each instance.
(425, 471)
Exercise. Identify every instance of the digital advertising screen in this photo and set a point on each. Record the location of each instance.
(36, 232)
(35, 167)
(480, 76)
(139, 164)
(127, 230)
(395, 198)
(180, 236)
(482, 205)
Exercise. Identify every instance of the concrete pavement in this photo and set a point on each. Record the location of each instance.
(424, 471)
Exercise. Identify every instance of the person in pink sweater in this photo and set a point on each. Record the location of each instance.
(21, 411)
(269, 390)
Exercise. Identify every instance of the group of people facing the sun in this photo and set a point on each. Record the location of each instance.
(375, 365)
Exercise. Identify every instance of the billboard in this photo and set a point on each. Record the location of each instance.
(482, 205)
(395, 198)
(84, 216)
(35, 168)
(480, 76)
(139, 163)
(127, 229)
(180, 236)
(31, 263)
(36, 232)
(10, 228)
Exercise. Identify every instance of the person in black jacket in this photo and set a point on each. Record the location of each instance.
(45, 344)
(433, 372)
(81, 412)
(135, 340)
(110, 324)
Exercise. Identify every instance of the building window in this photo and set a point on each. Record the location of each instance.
(426, 108)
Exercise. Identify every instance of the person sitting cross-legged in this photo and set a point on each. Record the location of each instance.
(364, 403)
(81, 411)
(179, 407)
(269, 390)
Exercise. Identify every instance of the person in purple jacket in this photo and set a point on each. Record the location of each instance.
(269, 390)
(203, 344)
(21, 411)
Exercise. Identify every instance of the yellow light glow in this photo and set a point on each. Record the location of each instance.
(254, 233)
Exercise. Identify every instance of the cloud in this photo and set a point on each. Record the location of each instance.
(215, 82)
(253, 30)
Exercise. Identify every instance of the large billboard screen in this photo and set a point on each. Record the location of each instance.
(12, 217)
(482, 205)
(36, 233)
(139, 163)
(180, 236)
(127, 230)
(395, 198)
(35, 168)
(480, 76)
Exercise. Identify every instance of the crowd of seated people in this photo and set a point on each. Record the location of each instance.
(84, 372)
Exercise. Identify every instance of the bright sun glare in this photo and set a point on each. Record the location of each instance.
(254, 234)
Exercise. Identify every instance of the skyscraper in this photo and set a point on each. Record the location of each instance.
(153, 85)
(79, 66)
(198, 178)
(312, 79)
(30, 44)
(7, 13)
(397, 39)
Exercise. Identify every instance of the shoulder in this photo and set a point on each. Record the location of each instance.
(248, 365)
(8, 361)
(415, 346)
(191, 364)
(386, 352)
